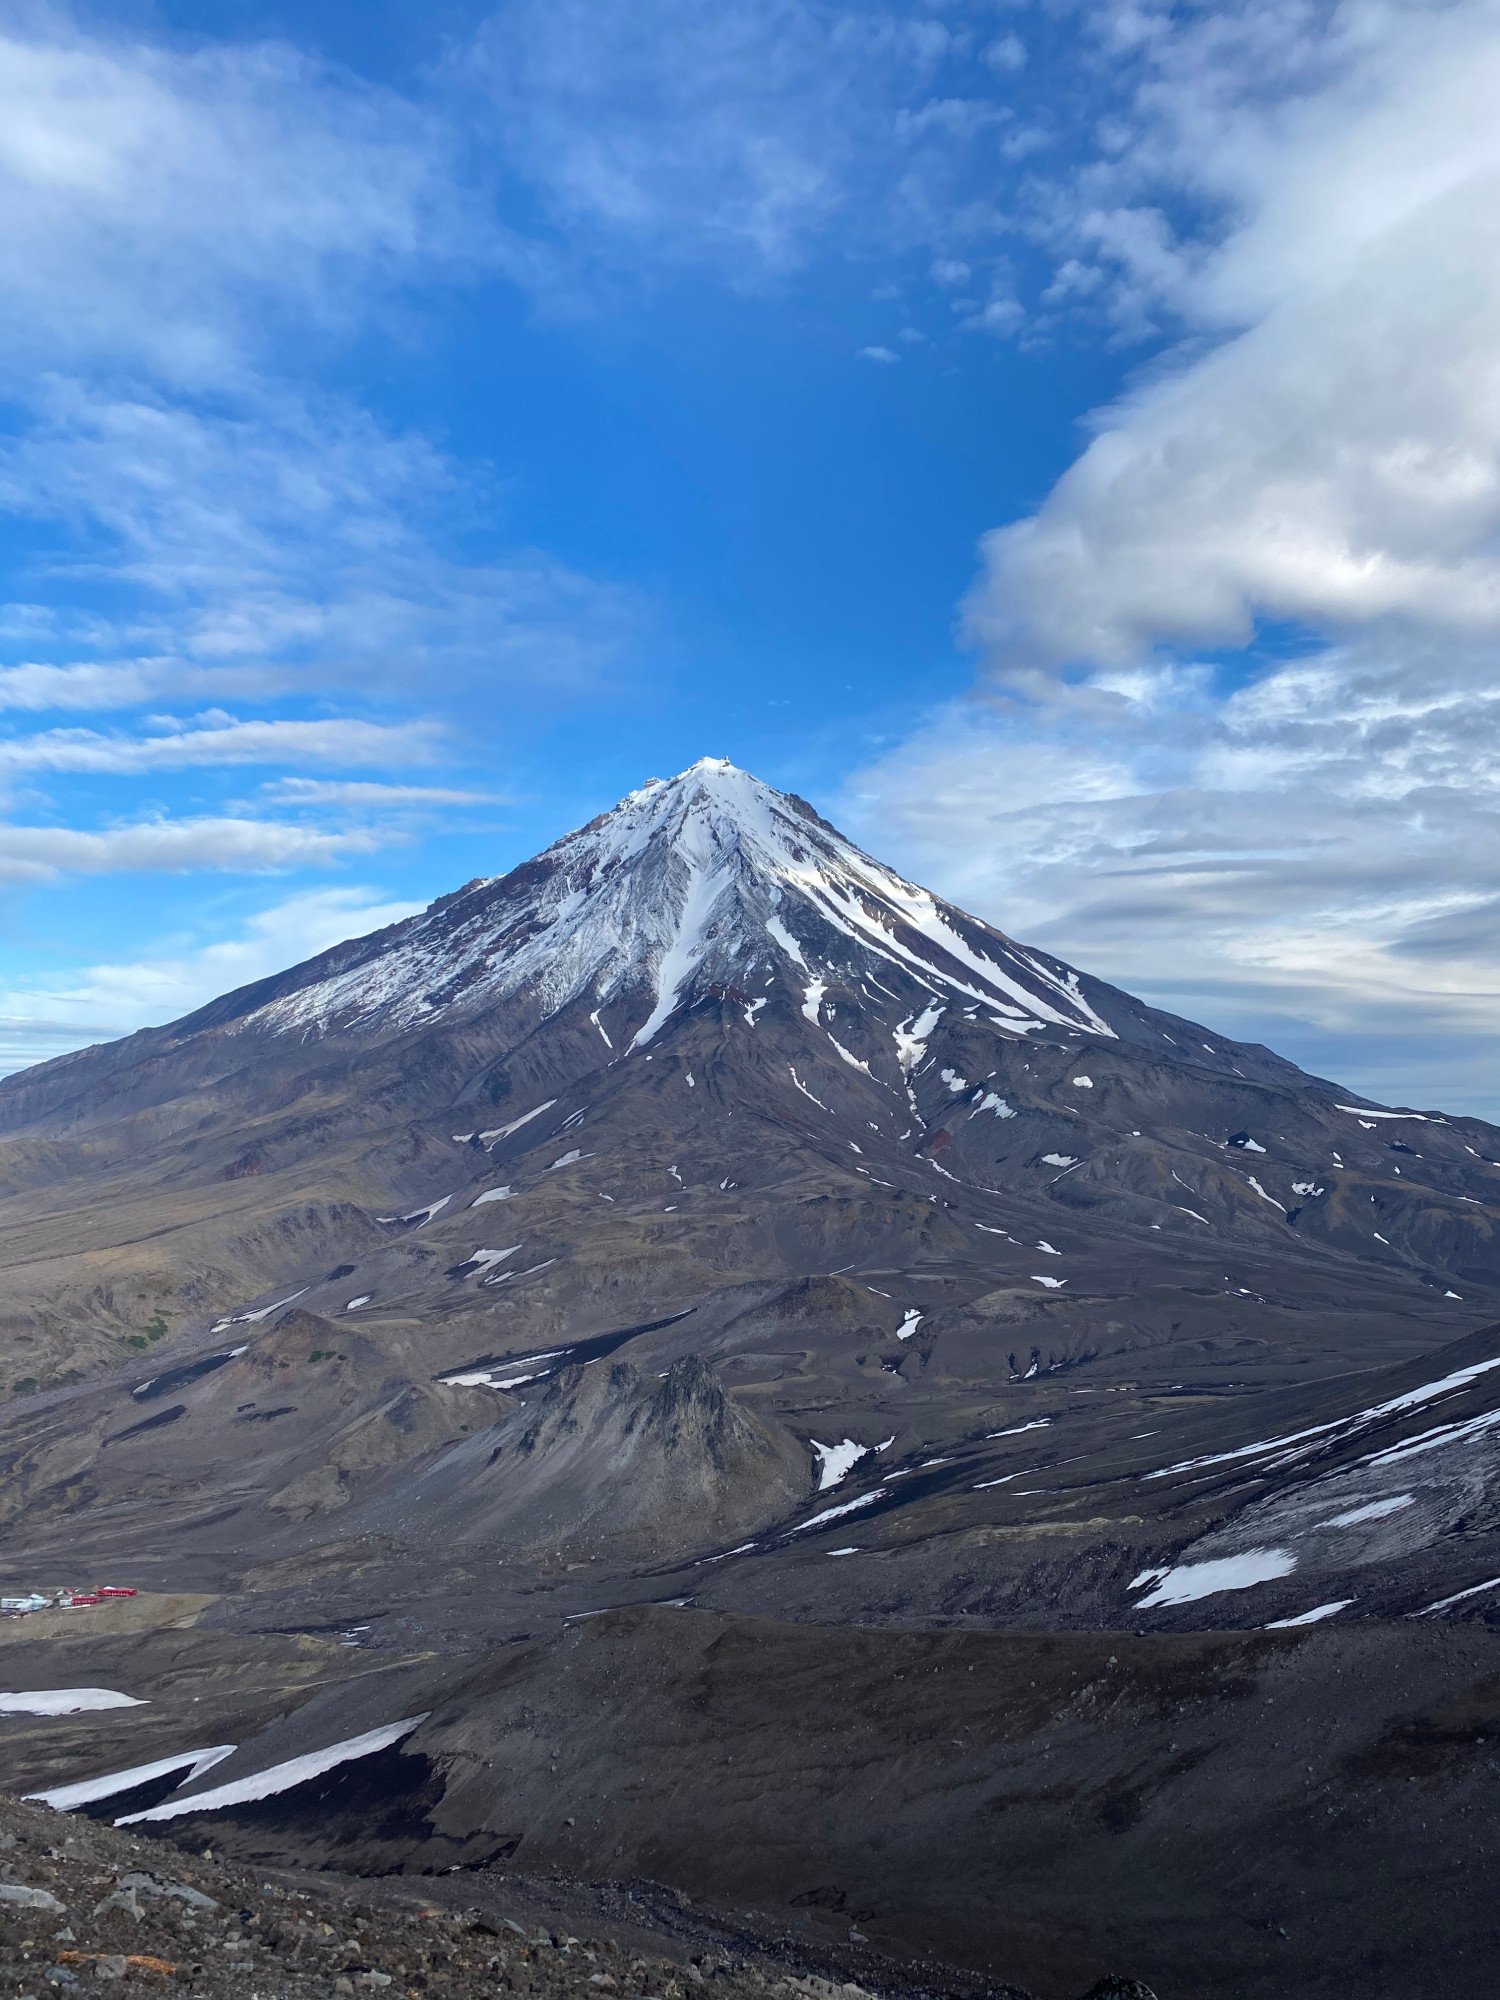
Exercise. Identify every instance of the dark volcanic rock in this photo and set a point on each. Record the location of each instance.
(764, 1048)
(100, 1909)
(611, 1457)
(1059, 1441)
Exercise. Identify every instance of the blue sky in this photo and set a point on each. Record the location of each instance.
(1061, 440)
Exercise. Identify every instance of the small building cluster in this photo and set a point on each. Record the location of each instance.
(62, 1600)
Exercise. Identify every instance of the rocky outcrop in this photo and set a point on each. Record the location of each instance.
(610, 1456)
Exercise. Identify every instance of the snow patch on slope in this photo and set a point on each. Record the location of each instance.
(281, 1777)
(1186, 1583)
(65, 1701)
(88, 1791)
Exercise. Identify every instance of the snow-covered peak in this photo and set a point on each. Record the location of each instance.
(709, 878)
(712, 792)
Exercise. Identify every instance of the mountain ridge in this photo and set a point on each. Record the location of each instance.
(702, 1253)
(705, 943)
(739, 801)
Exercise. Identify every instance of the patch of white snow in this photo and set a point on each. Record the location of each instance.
(805, 1091)
(1474, 1590)
(281, 1777)
(1187, 1582)
(65, 1701)
(1314, 1617)
(88, 1791)
(1374, 1510)
(844, 1507)
(837, 1461)
(1363, 1111)
(504, 1131)
(1255, 1184)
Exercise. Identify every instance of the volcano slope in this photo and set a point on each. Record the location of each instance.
(524, 1306)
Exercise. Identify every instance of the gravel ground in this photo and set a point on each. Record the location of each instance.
(85, 1906)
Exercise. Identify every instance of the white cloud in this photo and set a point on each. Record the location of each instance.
(293, 535)
(746, 137)
(887, 357)
(362, 793)
(1308, 864)
(180, 228)
(166, 207)
(1335, 460)
(1294, 845)
(1001, 314)
(174, 847)
(722, 129)
(182, 973)
(1006, 54)
(222, 741)
(37, 686)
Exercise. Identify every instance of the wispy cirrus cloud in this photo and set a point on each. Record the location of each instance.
(40, 687)
(752, 138)
(170, 210)
(293, 535)
(726, 133)
(223, 740)
(186, 233)
(1306, 863)
(174, 974)
(1238, 738)
(367, 793)
(185, 845)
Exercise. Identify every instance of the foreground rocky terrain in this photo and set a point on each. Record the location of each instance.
(1262, 1813)
(696, 1363)
(84, 1907)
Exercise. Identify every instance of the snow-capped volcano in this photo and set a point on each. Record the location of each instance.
(701, 1200)
(707, 880)
(708, 997)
